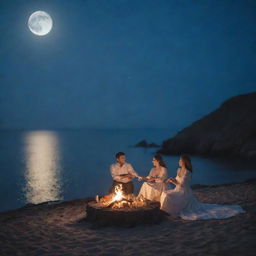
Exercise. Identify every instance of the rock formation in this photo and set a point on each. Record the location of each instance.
(228, 131)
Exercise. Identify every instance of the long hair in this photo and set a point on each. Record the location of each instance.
(187, 162)
(160, 160)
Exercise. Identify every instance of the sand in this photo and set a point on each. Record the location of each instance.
(60, 229)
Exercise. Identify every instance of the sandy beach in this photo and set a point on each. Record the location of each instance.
(60, 229)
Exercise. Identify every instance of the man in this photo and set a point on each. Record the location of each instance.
(122, 173)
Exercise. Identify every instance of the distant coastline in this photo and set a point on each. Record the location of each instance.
(228, 131)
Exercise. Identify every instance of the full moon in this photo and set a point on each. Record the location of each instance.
(40, 23)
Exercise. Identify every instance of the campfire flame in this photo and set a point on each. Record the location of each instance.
(118, 193)
(119, 200)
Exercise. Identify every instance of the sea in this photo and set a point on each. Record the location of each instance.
(40, 166)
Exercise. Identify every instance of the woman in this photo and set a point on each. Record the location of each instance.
(155, 181)
(181, 201)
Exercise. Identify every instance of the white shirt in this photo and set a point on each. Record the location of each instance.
(117, 170)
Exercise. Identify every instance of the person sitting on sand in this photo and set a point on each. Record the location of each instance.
(155, 181)
(181, 202)
(122, 173)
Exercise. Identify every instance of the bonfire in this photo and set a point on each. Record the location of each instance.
(119, 209)
(119, 200)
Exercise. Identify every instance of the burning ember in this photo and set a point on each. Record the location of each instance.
(119, 200)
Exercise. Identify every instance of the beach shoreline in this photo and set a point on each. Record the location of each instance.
(59, 229)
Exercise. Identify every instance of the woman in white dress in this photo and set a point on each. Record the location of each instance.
(155, 181)
(181, 202)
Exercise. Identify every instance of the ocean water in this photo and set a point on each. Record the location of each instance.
(47, 165)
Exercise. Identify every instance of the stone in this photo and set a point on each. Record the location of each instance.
(124, 217)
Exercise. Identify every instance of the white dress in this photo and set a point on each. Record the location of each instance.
(181, 202)
(153, 190)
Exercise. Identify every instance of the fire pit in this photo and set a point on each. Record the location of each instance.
(118, 209)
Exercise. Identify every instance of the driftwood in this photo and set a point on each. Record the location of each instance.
(123, 217)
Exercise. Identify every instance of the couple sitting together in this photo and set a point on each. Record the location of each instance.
(177, 202)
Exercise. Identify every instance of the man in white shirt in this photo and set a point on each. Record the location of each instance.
(122, 173)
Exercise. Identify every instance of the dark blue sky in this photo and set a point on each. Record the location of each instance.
(124, 64)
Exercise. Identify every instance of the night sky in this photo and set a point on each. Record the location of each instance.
(124, 64)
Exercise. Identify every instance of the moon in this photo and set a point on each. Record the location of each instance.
(40, 23)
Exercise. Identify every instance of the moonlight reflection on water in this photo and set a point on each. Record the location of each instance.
(42, 176)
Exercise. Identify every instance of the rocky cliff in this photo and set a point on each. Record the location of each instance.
(228, 131)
